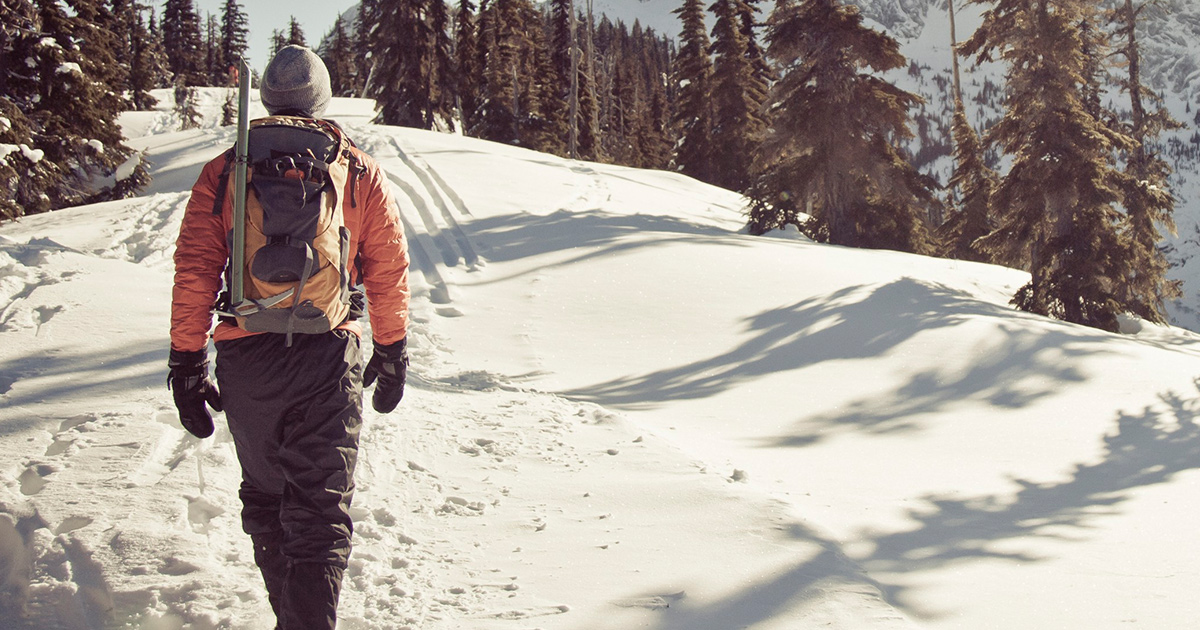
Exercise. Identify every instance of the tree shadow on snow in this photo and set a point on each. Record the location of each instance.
(1013, 368)
(804, 585)
(1144, 449)
(66, 375)
(593, 233)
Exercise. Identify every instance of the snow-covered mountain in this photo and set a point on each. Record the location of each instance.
(1171, 57)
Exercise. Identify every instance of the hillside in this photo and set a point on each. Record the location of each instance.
(623, 412)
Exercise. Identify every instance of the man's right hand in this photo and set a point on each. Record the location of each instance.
(388, 366)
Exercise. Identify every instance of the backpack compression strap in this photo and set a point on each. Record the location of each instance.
(223, 182)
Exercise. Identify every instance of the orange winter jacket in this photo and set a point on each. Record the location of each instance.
(377, 243)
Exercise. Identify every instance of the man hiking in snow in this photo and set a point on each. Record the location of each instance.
(288, 358)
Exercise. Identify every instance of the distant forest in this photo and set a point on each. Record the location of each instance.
(786, 104)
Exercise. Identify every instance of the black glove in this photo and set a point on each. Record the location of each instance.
(189, 381)
(388, 364)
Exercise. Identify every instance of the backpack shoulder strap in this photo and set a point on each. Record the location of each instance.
(223, 182)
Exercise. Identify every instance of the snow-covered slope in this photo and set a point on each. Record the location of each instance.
(1168, 36)
(623, 412)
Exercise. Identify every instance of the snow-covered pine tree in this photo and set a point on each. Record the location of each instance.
(400, 50)
(185, 106)
(182, 41)
(831, 149)
(75, 107)
(235, 29)
(738, 124)
(691, 76)
(28, 179)
(26, 176)
(1055, 208)
(1146, 196)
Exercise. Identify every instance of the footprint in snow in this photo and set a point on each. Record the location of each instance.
(33, 479)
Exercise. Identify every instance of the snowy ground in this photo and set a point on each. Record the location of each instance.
(623, 413)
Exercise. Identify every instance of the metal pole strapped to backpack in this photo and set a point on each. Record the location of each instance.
(241, 161)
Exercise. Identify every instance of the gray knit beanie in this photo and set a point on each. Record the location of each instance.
(296, 79)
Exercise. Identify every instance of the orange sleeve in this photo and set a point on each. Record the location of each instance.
(200, 255)
(383, 252)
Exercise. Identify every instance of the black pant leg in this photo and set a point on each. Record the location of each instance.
(295, 414)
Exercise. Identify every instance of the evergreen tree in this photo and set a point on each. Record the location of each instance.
(182, 41)
(235, 30)
(295, 34)
(440, 81)
(589, 141)
(401, 57)
(27, 178)
(737, 122)
(278, 41)
(229, 109)
(214, 71)
(1148, 201)
(830, 151)
(761, 75)
(692, 74)
(159, 67)
(147, 66)
(653, 136)
(622, 114)
(185, 106)
(122, 16)
(563, 59)
(501, 42)
(468, 72)
(365, 22)
(1055, 208)
(338, 54)
(589, 102)
(971, 219)
(75, 107)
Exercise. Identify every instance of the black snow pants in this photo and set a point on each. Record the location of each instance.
(295, 413)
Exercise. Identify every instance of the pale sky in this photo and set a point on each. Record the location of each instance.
(265, 16)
